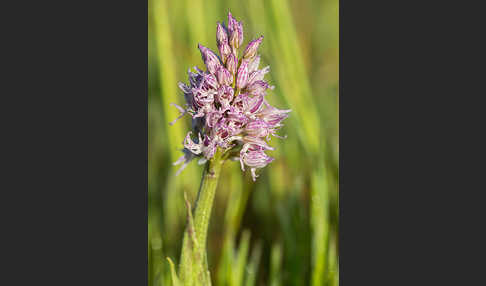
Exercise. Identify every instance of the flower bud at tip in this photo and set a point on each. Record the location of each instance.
(252, 48)
(231, 64)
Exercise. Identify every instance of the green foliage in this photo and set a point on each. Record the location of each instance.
(283, 228)
(275, 265)
(252, 269)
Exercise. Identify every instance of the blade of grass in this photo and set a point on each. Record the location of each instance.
(173, 202)
(169, 92)
(236, 203)
(293, 80)
(157, 267)
(175, 279)
(226, 263)
(275, 265)
(238, 269)
(254, 265)
(333, 264)
(319, 226)
(196, 22)
(235, 206)
(151, 269)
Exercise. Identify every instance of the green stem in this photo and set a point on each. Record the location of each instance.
(193, 257)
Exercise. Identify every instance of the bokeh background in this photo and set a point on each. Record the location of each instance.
(283, 228)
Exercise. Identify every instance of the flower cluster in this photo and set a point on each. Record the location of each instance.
(227, 103)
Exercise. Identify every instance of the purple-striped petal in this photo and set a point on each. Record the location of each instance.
(252, 48)
(252, 104)
(212, 118)
(253, 66)
(195, 148)
(258, 75)
(257, 87)
(242, 76)
(225, 96)
(257, 128)
(231, 64)
(255, 159)
(221, 35)
(210, 59)
(210, 81)
(251, 140)
(235, 32)
(224, 51)
(224, 76)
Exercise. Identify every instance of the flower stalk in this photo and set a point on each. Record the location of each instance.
(193, 267)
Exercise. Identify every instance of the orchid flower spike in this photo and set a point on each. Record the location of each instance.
(228, 103)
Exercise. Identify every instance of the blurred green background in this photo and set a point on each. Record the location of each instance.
(283, 228)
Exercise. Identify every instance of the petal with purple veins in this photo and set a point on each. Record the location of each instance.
(257, 87)
(210, 59)
(258, 75)
(252, 48)
(221, 34)
(253, 65)
(242, 76)
(195, 148)
(231, 64)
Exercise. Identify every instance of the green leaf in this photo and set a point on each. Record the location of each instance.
(253, 265)
(175, 279)
(275, 265)
(320, 226)
(240, 264)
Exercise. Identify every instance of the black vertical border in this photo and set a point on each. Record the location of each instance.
(393, 86)
(78, 174)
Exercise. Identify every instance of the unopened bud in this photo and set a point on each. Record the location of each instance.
(224, 76)
(210, 81)
(221, 35)
(231, 64)
(252, 48)
(242, 76)
(210, 59)
(235, 32)
(224, 51)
